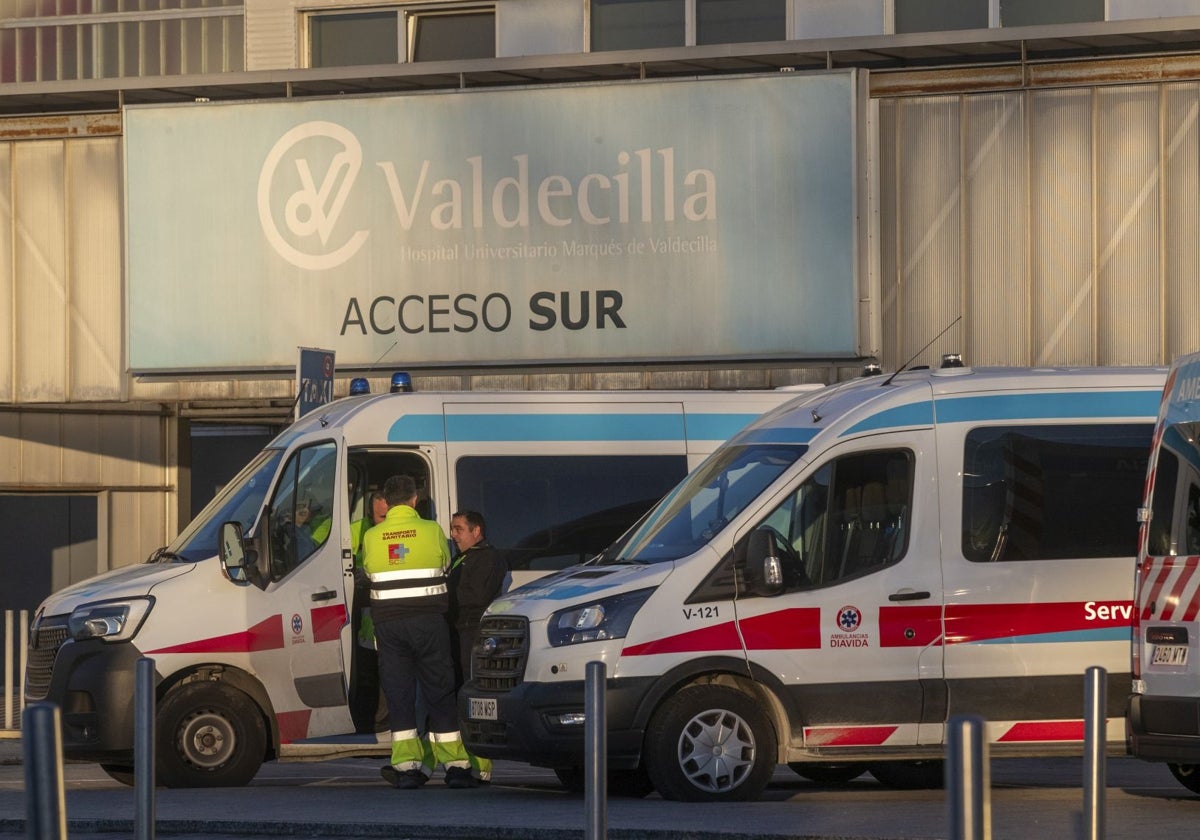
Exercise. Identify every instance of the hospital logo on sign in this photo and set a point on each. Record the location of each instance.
(297, 629)
(848, 619)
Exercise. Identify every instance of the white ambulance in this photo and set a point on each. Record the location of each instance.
(256, 657)
(837, 582)
(1164, 712)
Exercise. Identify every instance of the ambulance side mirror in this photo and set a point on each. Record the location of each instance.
(239, 562)
(763, 572)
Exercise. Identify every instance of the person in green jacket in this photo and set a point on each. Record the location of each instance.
(405, 559)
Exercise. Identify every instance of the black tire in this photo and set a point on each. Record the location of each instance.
(122, 773)
(827, 774)
(1187, 775)
(710, 743)
(209, 735)
(911, 775)
(634, 784)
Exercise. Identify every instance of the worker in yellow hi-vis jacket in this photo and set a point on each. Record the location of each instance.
(405, 559)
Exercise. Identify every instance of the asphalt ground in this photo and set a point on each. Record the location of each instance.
(346, 798)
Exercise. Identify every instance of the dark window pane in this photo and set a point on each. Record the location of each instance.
(1053, 492)
(343, 40)
(440, 37)
(69, 52)
(1033, 12)
(26, 55)
(47, 53)
(235, 43)
(550, 512)
(739, 21)
(1162, 506)
(935, 15)
(8, 56)
(637, 24)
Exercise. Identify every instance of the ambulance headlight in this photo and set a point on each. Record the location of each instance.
(606, 619)
(112, 621)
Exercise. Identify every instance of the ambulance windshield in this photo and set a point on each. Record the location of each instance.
(704, 503)
(240, 500)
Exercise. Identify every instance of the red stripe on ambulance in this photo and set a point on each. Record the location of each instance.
(1043, 730)
(910, 626)
(266, 635)
(327, 622)
(794, 629)
(847, 736)
(967, 623)
(293, 726)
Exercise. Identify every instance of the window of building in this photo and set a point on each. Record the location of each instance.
(339, 40)
(939, 15)
(404, 33)
(740, 21)
(641, 24)
(1034, 12)
(65, 40)
(1052, 492)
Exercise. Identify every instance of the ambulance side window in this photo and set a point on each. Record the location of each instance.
(1161, 540)
(1044, 492)
(302, 507)
(850, 518)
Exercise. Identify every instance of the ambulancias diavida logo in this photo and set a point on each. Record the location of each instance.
(316, 198)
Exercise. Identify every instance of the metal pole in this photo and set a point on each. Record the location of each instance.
(143, 749)
(968, 779)
(595, 757)
(1095, 736)
(22, 657)
(45, 799)
(10, 719)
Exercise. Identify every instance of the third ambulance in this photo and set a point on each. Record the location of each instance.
(1164, 712)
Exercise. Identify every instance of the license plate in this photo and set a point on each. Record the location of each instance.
(485, 709)
(1169, 655)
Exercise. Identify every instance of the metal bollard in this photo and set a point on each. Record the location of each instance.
(595, 776)
(45, 798)
(1095, 737)
(968, 779)
(143, 749)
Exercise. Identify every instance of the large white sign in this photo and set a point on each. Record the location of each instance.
(697, 219)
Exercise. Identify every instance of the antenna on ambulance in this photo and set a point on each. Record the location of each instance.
(922, 350)
(359, 384)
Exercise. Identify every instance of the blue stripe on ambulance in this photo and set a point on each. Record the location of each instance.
(417, 428)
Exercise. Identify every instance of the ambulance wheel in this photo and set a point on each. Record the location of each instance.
(710, 743)
(122, 773)
(827, 774)
(911, 775)
(209, 735)
(634, 784)
(1187, 775)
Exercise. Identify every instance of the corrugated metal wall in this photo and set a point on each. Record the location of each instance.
(1061, 224)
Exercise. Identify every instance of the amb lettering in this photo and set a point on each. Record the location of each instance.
(1188, 389)
(465, 313)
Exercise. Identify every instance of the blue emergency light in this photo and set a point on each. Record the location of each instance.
(359, 386)
(401, 383)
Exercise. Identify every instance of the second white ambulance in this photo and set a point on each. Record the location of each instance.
(839, 580)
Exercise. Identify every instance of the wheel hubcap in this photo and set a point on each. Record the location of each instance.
(716, 750)
(207, 740)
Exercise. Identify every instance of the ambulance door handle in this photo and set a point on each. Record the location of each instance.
(324, 596)
(908, 595)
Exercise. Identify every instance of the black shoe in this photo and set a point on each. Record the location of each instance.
(403, 780)
(460, 778)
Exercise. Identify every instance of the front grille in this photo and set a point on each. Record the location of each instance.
(44, 643)
(501, 650)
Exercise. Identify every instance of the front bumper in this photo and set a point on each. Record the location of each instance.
(92, 682)
(526, 727)
(1164, 728)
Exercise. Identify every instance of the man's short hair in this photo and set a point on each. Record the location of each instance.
(474, 519)
(399, 490)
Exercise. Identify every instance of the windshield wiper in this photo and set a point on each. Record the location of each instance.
(161, 555)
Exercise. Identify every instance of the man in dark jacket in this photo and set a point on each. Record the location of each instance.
(476, 577)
